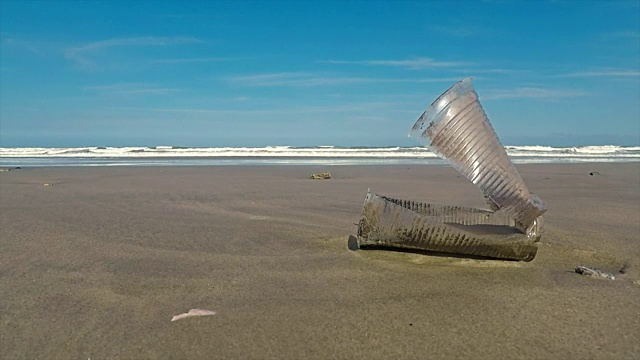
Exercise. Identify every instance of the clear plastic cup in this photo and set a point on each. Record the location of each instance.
(406, 224)
(456, 128)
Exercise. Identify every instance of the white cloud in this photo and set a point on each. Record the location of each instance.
(493, 71)
(411, 64)
(85, 55)
(270, 76)
(131, 89)
(191, 60)
(139, 41)
(635, 35)
(355, 107)
(302, 79)
(458, 28)
(21, 44)
(602, 73)
(531, 93)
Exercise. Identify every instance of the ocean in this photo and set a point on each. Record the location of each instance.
(289, 155)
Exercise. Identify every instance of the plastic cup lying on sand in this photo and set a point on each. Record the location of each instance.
(456, 128)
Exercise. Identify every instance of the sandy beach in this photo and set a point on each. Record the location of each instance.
(96, 264)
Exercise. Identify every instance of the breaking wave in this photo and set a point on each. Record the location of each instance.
(177, 155)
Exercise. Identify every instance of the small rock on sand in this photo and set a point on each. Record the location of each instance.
(321, 176)
(585, 270)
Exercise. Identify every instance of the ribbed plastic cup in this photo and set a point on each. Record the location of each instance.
(456, 128)
(406, 224)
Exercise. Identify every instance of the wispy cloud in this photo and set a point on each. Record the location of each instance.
(240, 98)
(493, 71)
(630, 4)
(180, 16)
(635, 35)
(620, 38)
(138, 41)
(602, 73)
(411, 64)
(355, 107)
(131, 89)
(462, 30)
(456, 31)
(497, 1)
(291, 79)
(192, 60)
(532, 93)
(303, 79)
(84, 56)
(21, 44)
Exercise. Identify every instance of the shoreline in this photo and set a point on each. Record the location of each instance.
(64, 162)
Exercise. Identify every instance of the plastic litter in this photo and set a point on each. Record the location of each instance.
(321, 176)
(456, 128)
(585, 270)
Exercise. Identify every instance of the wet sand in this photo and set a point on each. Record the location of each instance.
(96, 264)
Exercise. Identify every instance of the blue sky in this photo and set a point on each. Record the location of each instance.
(307, 73)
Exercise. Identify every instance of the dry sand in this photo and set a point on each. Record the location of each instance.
(97, 264)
